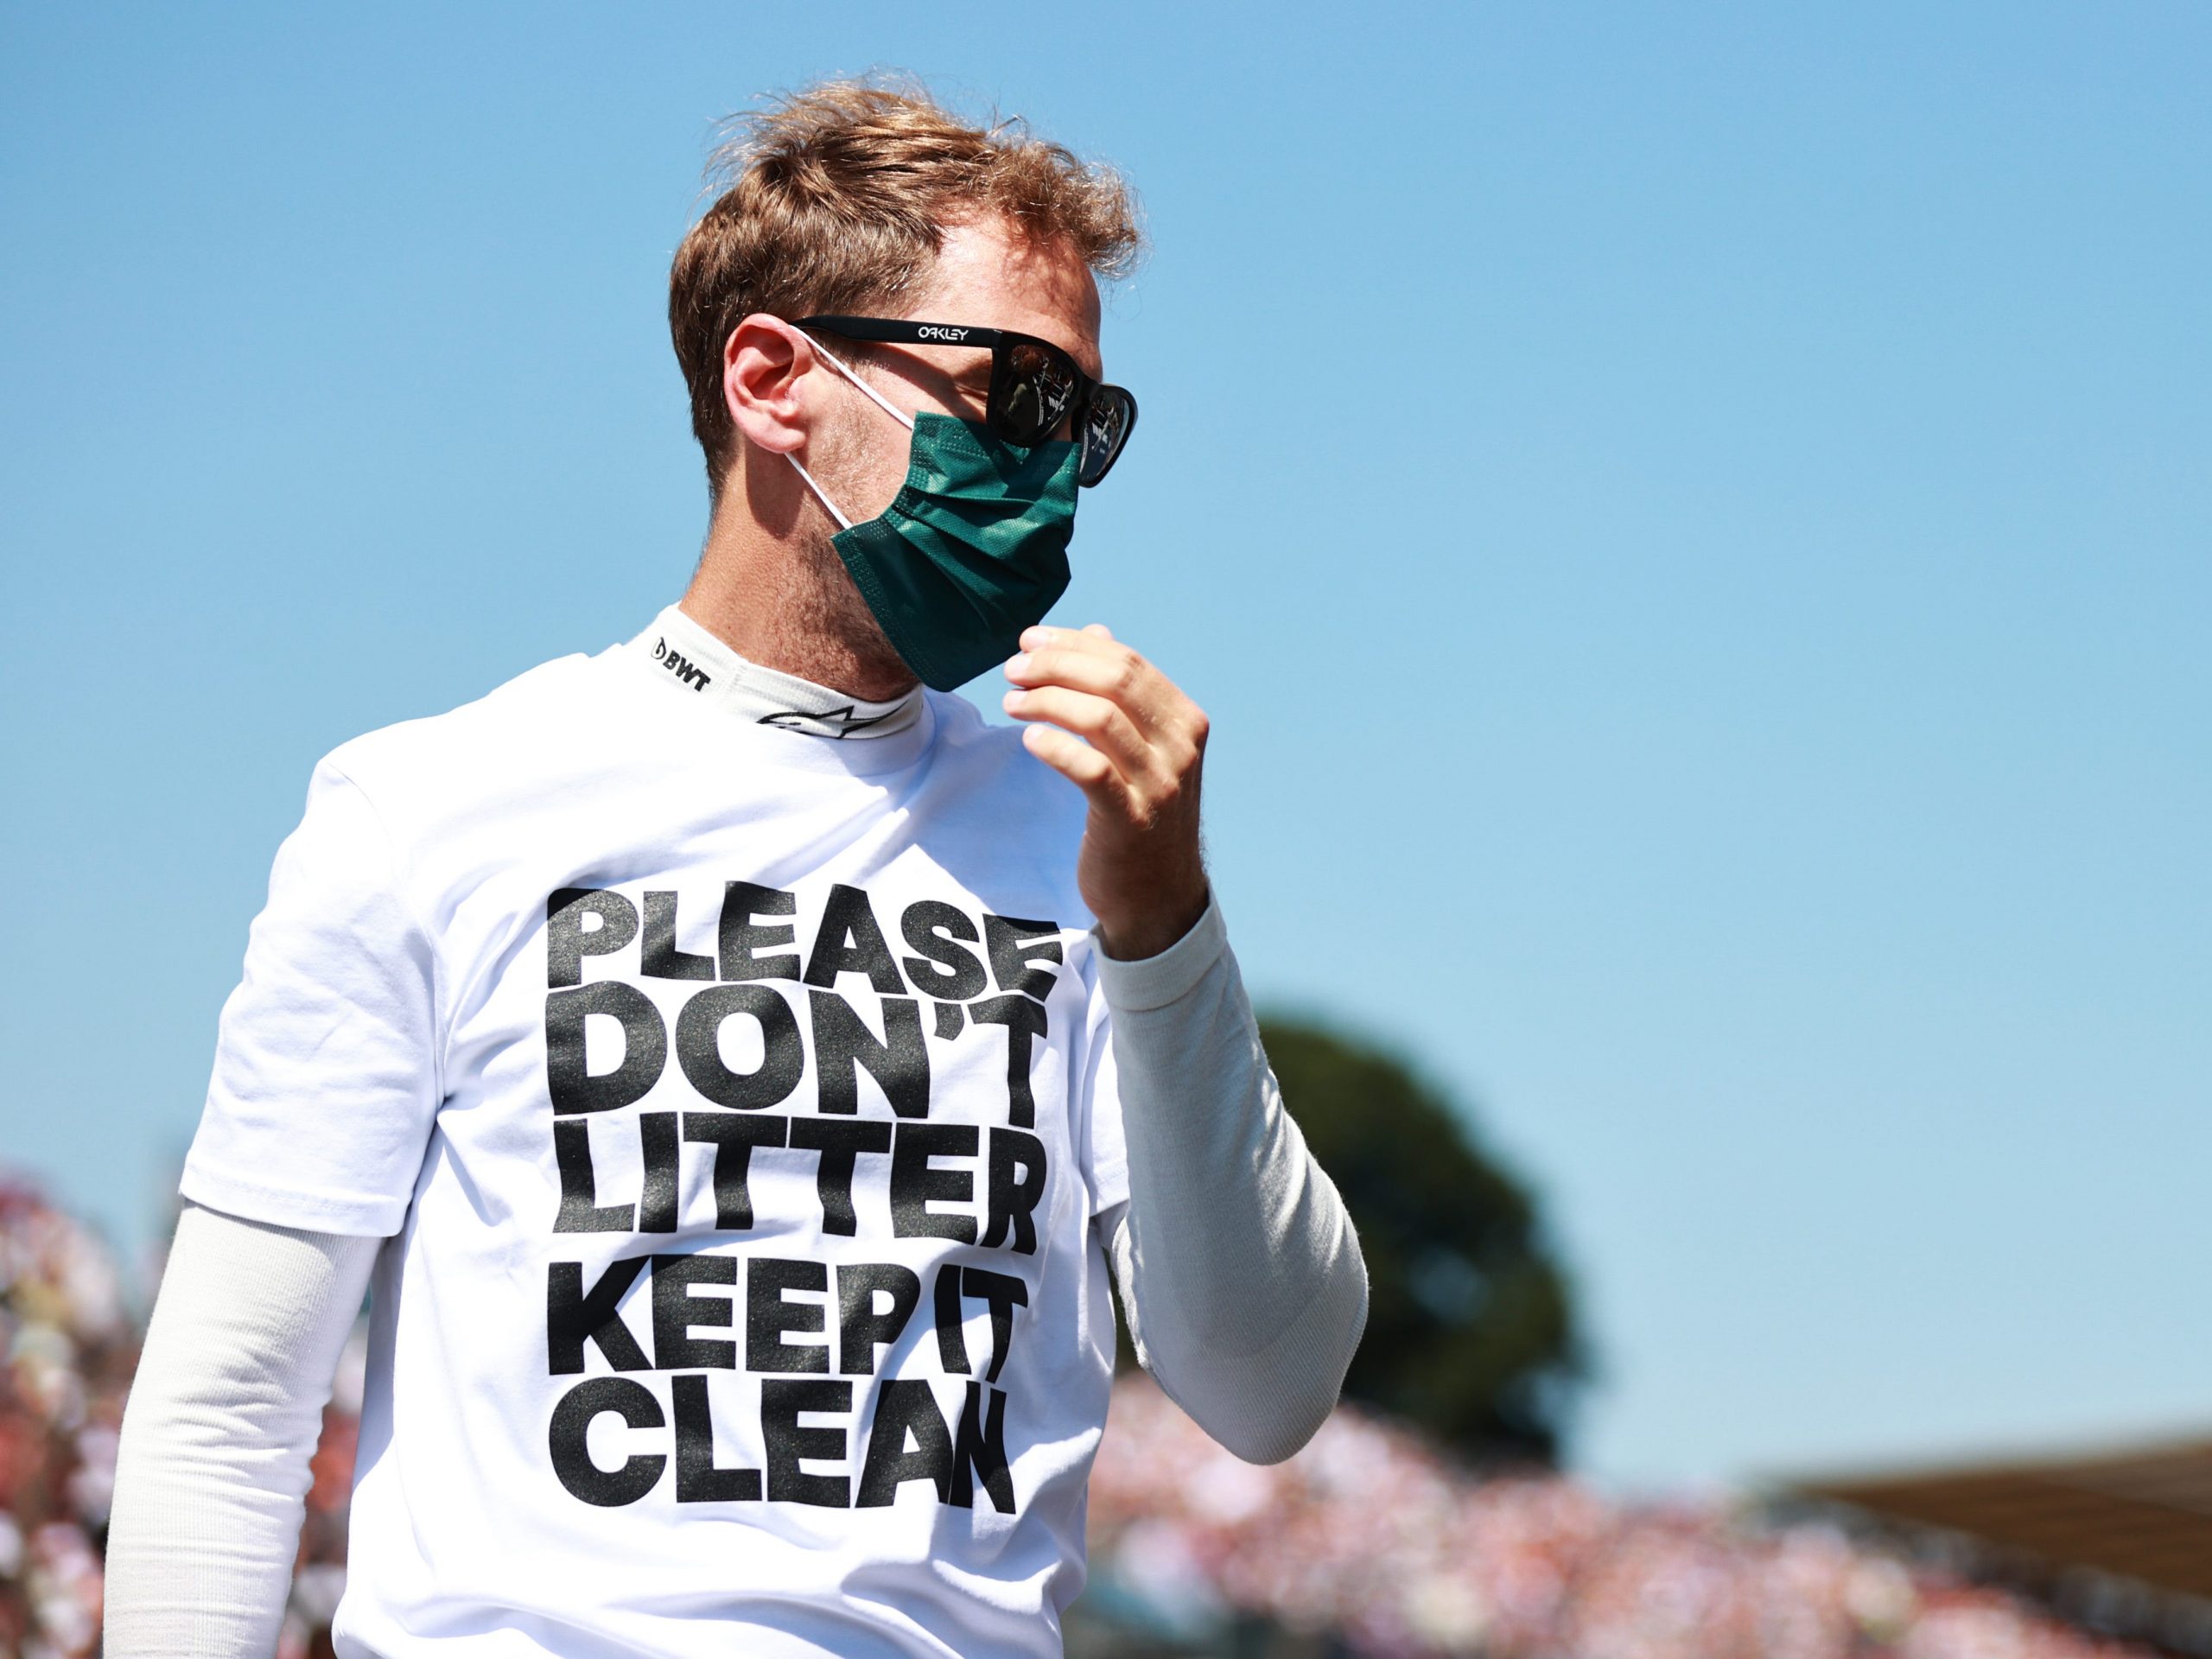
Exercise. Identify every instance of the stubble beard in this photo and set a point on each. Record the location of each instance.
(850, 650)
(791, 604)
(858, 656)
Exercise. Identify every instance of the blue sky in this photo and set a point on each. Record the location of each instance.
(1691, 523)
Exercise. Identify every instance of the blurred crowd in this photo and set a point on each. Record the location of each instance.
(1367, 1534)
(69, 1349)
(68, 1346)
(1370, 1535)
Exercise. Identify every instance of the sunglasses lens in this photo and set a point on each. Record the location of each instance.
(1039, 384)
(1105, 428)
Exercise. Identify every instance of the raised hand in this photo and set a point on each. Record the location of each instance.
(1125, 735)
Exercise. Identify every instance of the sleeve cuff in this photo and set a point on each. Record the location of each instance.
(1155, 981)
(303, 1210)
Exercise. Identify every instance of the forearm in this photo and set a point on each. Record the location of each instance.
(211, 1472)
(1240, 1272)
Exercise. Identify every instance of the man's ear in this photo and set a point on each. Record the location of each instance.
(768, 383)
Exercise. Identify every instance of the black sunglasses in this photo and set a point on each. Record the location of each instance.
(1034, 385)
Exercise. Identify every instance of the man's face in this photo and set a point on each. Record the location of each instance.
(985, 278)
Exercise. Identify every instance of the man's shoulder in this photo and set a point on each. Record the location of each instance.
(992, 795)
(991, 763)
(482, 746)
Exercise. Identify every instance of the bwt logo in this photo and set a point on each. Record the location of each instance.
(934, 331)
(676, 664)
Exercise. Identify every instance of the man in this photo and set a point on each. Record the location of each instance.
(733, 1066)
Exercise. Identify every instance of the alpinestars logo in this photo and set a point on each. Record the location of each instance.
(680, 665)
(838, 722)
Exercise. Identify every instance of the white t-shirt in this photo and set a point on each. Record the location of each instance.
(742, 1104)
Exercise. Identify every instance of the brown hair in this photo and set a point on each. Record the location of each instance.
(837, 197)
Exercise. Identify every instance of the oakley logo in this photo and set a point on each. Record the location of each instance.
(676, 664)
(932, 331)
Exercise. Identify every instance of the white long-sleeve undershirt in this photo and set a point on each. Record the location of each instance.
(211, 1472)
(1240, 1272)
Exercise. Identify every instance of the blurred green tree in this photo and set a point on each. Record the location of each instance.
(1470, 1328)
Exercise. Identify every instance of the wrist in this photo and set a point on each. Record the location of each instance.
(1131, 938)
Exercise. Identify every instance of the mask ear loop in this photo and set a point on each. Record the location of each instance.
(882, 403)
(843, 522)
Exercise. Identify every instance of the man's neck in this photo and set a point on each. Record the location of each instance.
(681, 655)
(788, 605)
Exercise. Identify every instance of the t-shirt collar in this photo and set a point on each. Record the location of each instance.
(684, 657)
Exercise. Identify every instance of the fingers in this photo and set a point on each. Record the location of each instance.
(1090, 637)
(1099, 721)
(1121, 678)
(1092, 661)
(1085, 768)
(1110, 722)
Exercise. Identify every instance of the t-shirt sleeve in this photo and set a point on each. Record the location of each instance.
(327, 1060)
(1106, 1158)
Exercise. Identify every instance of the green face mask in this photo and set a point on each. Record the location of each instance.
(972, 550)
